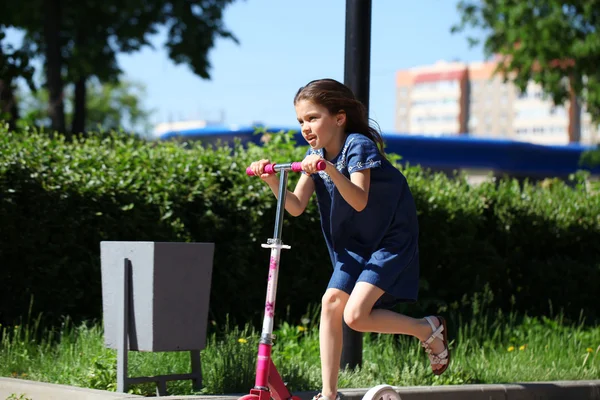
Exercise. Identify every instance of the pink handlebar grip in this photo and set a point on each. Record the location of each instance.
(295, 166)
(270, 168)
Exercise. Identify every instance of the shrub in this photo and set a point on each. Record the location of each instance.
(532, 245)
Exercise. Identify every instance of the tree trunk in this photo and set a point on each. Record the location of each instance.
(79, 113)
(8, 104)
(52, 26)
(574, 114)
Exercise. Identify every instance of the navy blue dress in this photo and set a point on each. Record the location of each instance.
(379, 244)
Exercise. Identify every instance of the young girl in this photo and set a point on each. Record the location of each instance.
(369, 221)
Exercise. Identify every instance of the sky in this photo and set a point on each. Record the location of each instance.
(284, 44)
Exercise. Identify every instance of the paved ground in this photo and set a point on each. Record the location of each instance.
(567, 390)
(47, 391)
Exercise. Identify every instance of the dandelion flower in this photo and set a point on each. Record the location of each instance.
(242, 340)
(523, 347)
(589, 350)
(511, 348)
(301, 328)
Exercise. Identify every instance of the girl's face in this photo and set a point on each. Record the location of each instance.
(320, 128)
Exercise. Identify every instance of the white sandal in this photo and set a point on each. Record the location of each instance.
(321, 397)
(440, 333)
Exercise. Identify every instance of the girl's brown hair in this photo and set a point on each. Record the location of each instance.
(337, 97)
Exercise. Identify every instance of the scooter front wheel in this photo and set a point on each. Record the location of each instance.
(381, 392)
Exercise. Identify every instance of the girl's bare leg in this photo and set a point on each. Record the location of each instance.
(331, 339)
(360, 316)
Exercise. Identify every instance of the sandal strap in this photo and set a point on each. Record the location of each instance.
(441, 358)
(436, 334)
(428, 319)
(443, 354)
(321, 397)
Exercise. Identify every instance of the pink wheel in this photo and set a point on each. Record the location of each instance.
(249, 397)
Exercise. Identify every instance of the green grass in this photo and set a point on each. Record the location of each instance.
(491, 348)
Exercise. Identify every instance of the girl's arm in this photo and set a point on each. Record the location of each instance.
(354, 190)
(296, 202)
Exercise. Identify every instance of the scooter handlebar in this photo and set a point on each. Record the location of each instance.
(295, 167)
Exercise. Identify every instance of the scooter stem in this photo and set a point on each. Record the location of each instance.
(279, 214)
(276, 245)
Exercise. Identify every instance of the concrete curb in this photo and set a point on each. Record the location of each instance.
(556, 390)
(50, 391)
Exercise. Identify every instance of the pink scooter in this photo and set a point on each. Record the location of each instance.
(268, 382)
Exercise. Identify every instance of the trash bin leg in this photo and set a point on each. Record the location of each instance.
(196, 370)
(123, 341)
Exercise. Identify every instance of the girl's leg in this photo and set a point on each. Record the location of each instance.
(360, 316)
(330, 335)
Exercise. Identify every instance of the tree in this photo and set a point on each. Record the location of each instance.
(43, 16)
(14, 64)
(79, 40)
(116, 106)
(110, 106)
(555, 43)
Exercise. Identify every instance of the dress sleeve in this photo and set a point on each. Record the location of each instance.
(362, 154)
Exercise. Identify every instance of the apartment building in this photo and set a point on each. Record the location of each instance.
(433, 99)
(490, 103)
(471, 99)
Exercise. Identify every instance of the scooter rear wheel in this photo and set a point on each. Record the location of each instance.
(381, 392)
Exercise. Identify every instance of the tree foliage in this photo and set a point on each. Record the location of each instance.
(14, 64)
(80, 39)
(555, 43)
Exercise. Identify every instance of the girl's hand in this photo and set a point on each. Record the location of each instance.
(309, 164)
(258, 167)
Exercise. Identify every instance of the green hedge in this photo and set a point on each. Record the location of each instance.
(532, 245)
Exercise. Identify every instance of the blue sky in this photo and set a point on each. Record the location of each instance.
(285, 44)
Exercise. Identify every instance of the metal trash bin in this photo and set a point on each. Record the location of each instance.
(155, 298)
